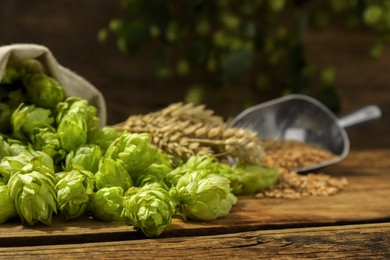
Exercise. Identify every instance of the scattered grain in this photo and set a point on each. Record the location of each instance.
(292, 185)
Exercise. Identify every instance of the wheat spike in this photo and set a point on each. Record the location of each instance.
(183, 130)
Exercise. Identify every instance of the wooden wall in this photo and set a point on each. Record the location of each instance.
(69, 29)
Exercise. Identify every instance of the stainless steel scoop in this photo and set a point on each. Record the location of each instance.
(302, 118)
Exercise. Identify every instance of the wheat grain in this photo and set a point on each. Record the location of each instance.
(183, 130)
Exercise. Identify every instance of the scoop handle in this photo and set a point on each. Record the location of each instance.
(359, 116)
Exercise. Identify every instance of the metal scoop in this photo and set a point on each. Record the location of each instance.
(305, 119)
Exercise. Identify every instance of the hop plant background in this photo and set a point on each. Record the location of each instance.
(344, 47)
(254, 45)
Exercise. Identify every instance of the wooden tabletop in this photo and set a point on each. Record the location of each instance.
(354, 223)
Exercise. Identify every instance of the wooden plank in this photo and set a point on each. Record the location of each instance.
(369, 241)
(364, 200)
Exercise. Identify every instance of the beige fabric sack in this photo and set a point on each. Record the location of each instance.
(73, 84)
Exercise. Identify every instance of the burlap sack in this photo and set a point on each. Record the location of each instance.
(73, 84)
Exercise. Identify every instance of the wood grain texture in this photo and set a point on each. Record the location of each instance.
(365, 200)
(369, 241)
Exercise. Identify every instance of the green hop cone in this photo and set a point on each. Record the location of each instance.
(107, 204)
(75, 190)
(208, 164)
(34, 196)
(112, 173)
(103, 137)
(7, 205)
(226, 171)
(10, 165)
(157, 172)
(86, 157)
(149, 209)
(26, 160)
(194, 163)
(44, 91)
(17, 146)
(47, 140)
(75, 119)
(25, 118)
(81, 107)
(21, 71)
(11, 74)
(72, 132)
(203, 196)
(134, 150)
(254, 178)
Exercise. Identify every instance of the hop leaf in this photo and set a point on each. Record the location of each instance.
(149, 208)
(74, 191)
(34, 196)
(107, 204)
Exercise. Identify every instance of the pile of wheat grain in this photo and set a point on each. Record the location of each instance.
(291, 154)
(291, 185)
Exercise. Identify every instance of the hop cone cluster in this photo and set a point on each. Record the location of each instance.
(184, 130)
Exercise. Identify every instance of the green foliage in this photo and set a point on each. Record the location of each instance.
(256, 43)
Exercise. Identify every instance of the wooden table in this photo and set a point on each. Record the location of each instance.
(352, 224)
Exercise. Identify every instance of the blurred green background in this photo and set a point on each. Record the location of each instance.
(145, 54)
